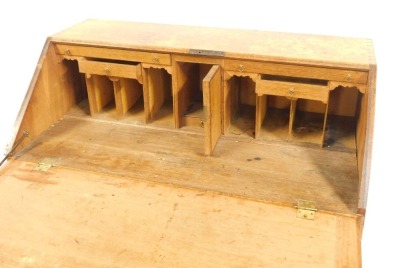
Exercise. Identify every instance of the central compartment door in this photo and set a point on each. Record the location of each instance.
(212, 101)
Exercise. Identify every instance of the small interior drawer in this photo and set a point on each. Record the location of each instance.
(110, 69)
(311, 89)
(113, 54)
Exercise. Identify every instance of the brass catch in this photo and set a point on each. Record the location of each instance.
(204, 52)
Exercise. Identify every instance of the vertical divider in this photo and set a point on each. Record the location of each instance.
(226, 103)
(324, 125)
(261, 112)
(127, 92)
(100, 92)
(293, 104)
(91, 94)
(146, 89)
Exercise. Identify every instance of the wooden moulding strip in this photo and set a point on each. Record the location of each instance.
(113, 53)
(292, 70)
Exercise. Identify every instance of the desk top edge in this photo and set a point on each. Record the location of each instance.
(294, 48)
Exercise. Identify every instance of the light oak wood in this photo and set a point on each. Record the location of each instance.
(54, 89)
(324, 125)
(292, 114)
(181, 89)
(126, 92)
(360, 87)
(239, 89)
(292, 90)
(114, 54)
(278, 173)
(187, 88)
(158, 89)
(293, 70)
(212, 99)
(261, 112)
(72, 217)
(247, 91)
(364, 135)
(353, 53)
(189, 83)
(109, 69)
(100, 92)
(347, 73)
(343, 102)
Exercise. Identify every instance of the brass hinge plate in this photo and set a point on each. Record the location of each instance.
(43, 166)
(306, 209)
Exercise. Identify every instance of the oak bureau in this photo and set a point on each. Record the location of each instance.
(285, 120)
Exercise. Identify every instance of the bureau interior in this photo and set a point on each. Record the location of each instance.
(190, 92)
(148, 98)
(254, 158)
(328, 121)
(240, 108)
(157, 83)
(142, 98)
(305, 111)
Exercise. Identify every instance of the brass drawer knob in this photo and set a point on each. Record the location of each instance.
(349, 78)
(241, 68)
(155, 59)
(291, 91)
(68, 52)
(107, 71)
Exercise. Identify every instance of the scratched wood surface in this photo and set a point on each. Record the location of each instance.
(240, 166)
(328, 51)
(68, 217)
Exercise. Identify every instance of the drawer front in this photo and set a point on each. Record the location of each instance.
(292, 90)
(349, 76)
(109, 69)
(113, 54)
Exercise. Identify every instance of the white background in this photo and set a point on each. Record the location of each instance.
(26, 24)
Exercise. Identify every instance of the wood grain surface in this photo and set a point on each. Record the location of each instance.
(316, 50)
(68, 217)
(240, 166)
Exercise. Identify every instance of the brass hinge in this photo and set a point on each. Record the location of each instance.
(42, 166)
(306, 209)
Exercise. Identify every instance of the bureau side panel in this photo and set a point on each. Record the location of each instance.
(51, 93)
(364, 135)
